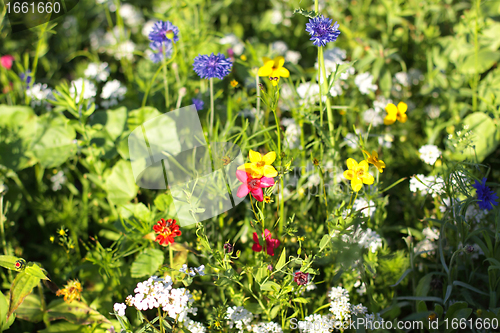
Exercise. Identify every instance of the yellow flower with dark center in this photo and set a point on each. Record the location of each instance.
(267, 199)
(71, 291)
(260, 165)
(358, 174)
(274, 69)
(373, 159)
(395, 113)
(234, 83)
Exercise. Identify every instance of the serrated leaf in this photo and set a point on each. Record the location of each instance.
(147, 263)
(21, 287)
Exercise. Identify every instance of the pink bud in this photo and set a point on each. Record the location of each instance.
(6, 61)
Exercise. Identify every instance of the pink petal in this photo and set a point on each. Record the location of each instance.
(255, 237)
(256, 247)
(242, 176)
(266, 182)
(242, 191)
(267, 234)
(257, 194)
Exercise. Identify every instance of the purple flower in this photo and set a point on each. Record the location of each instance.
(301, 278)
(322, 31)
(26, 77)
(485, 196)
(212, 66)
(198, 104)
(163, 32)
(160, 49)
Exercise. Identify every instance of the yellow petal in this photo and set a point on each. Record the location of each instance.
(389, 119)
(391, 109)
(265, 70)
(368, 179)
(402, 107)
(374, 154)
(254, 156)
(270, 171)
(269, 158)
(257, 173)
(402, 118)
(279, 62)
(367, 153)
(246, 166)
(282, 72)
(348, 174)
(356, 184)
(352, 164)
(363, 165)
(275, 82)
(266, 60)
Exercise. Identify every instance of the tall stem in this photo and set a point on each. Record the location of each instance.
(328, 103)
(281, 201)
(212, 110)
(2, 230)
(165, 83)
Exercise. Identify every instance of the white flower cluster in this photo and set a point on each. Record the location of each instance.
(364, 83)
(120, 309)
(131, 16)
(339, 305)
(82, 89)
(308, 93)
(429, 154)
(270, 327)
(369, 239)
(97, 71)
(38, 93)
(369, 206)
(239, 317)
(194, 326)
(361, 287)
(316, 323)
(428, 244)
(57, 180)
(231, 39)
(118, 45)
(374, 115)
(475, 214)
(292, 133)
(112, 92)
(433, 185)
(192, 271)
(158, 292)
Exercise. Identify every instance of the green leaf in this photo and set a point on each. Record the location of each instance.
(30, 309)
(324, 242)
(485, 60)
(282, 260)
(9, 262)
(64, 327)
(424, 285)
(468, 286)
(270, 286)
(163, 202)
(139, 116)
(408, 271)
(484, 135)
(300, 300)
(113, 121)
(75, 312)
(53, 140)
(120, 183)
(33, 270)
(4, 308)
(147, 263)
(21, 287)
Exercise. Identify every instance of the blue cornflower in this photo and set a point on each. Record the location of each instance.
(322, 31)
(163, 32)
(26, 77)
(160, 49)
(212, 66)
(198, 104)
(485, 196)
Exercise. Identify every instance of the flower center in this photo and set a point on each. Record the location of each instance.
(169, 34)
(254, 183)
(360, 173)
(260, 164)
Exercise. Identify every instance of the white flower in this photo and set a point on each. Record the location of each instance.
(474, 214)
(369, 206)
(239, 317)
(373, 117)
(431, 233)
(427, 185)
(96, 71)
(200, 270)
(293, 56)
(429, 154)
(57, 180)
(425, 246)
(120, 309)
(386, 140)
(402, 78)
(38, 93)
(235, 43)
(267, 328)
(114, 92)
(359, 309)
(194, 326)
(276, 17)
(380, 103)
(184, 269)
(313, 180)
(131, 15)
(279, 47)
(352, 140)
(118, 45)
(361, 287)
(369, 239)
(339, 305)
(308, 92)
(292, 134)
(317, 323)
(336, 89)
(147, 27)
(364, 83)
(83, 89)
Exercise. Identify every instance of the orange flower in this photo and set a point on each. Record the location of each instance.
(166, 231)
(71, 291)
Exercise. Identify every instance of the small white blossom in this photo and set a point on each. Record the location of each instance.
(429, 154)
(112, 92)
(97, 71)
(270, 327)
(240, 318)
(57, 180)
(279, 47)
(38, 93)
(373, 117)
(120, 309)
(82, 89)
(235, 43)
(194, 326)
(131, 16)
(364, 83)
(293, 56)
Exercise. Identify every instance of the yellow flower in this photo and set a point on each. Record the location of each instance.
(260, 165)
(267, 199)
(358, 174)
(373, 159)
(243, 57)
(234, 83)
(394, 113)
(71, 291)
(274, 69)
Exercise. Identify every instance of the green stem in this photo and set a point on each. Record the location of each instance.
(160, 318)
(212, 109)
(328, 103)
(281, 200)
(476, 53)
(2, 230)
(165, 83)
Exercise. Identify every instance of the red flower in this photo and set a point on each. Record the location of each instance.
(166, 231)
(252, 185)
(301, 278)
(271, 244)
(6, 61)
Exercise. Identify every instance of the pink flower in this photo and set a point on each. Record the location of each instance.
(252, 185)
(6, 61)
(271, 244)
